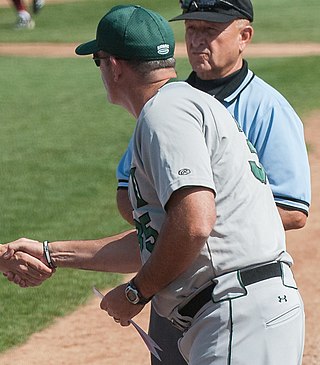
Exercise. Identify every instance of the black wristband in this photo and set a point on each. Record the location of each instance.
(47, 255)
(142, 300)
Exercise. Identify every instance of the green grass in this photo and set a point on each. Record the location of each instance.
(286, 21)
(56, 132)
(275, 21)
(59, 146)
(26, 311)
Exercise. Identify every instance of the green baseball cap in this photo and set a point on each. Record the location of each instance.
(132, 32)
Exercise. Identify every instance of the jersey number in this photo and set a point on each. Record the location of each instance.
(146, 234)
(257, 169)
(140, 201)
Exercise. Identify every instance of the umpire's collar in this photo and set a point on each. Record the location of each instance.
(220, 88)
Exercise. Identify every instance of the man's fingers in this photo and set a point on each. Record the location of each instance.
(32, 277)
(26, 270)
(23, 284)
(16, 279)
(33, 266)
(31, 247)
(8, 254)
(24, 280)
(34, 271)
(9, 275)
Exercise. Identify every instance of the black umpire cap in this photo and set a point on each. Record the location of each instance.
(220, 11)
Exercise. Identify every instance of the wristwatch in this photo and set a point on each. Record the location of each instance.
(133, 295)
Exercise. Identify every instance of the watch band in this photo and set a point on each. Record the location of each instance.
(142, 300)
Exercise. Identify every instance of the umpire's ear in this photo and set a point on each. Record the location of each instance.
(245, 34)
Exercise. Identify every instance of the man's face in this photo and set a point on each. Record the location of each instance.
(214, 49)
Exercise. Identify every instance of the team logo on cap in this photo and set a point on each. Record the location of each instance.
(163, 49)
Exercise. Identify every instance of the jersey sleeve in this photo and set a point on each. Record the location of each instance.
(172, 161)
(279, 140)
(276, 131)
(123, 169)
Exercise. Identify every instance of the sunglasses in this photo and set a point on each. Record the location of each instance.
(97, 59)
(189, 6)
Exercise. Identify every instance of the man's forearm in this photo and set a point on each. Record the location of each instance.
(118, 253)
(292, 219)
(124, 205)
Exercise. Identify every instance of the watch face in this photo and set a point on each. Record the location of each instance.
(132, 295)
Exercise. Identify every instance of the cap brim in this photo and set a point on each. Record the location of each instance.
(207, 16)
(87, 48)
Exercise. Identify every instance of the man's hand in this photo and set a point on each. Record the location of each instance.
(23, 263)
(25, 270)
(33, 248)
(117, 306)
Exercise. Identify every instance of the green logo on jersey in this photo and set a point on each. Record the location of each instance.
(146, 234)
(257, 170)
(140, 201)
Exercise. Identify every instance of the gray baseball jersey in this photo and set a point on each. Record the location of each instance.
(184, 137)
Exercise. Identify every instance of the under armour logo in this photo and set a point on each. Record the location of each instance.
(284, 298)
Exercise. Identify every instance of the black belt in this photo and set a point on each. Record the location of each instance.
(248, 276)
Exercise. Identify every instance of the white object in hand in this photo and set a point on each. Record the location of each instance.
(151, 345)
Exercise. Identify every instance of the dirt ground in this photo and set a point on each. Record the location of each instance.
(89, 336)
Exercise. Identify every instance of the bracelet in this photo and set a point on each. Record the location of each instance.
(47, 255)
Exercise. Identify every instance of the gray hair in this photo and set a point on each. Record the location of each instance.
(144, 68)
(242, 23)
